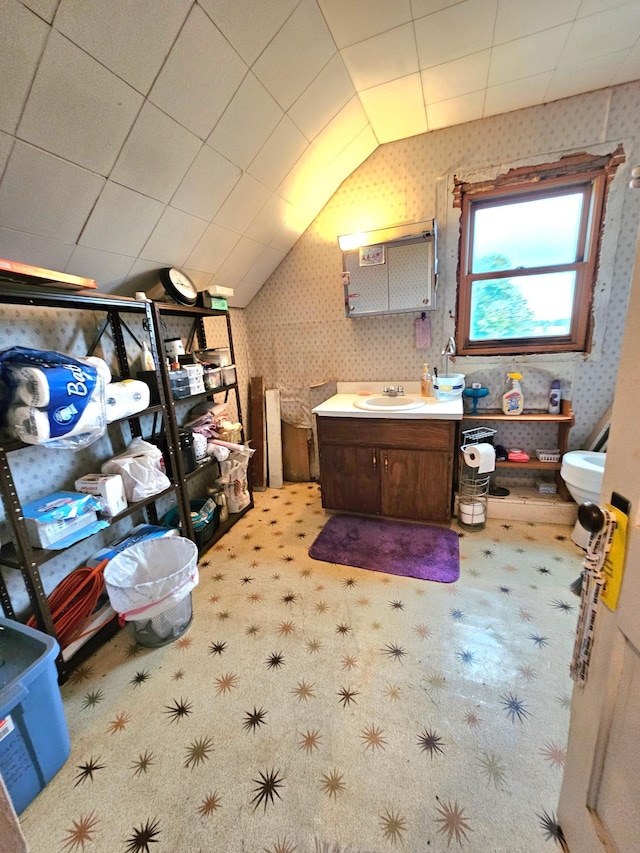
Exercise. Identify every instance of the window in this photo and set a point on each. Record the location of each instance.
(529, 255)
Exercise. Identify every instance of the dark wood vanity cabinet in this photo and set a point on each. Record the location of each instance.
(386, 466)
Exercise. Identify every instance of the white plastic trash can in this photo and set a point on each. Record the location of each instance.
(150, 585)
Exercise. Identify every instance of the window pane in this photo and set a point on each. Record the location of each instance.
(522, 307)
(543, 232)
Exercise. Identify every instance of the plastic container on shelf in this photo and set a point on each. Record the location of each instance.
(34, 739)
(179, 381)
(205, 516)
(229, 374)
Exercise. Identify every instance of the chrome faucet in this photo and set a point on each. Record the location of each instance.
(448, 351)
(392, 391)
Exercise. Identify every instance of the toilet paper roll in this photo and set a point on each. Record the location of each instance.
(480, 456)
(35, 426)
(125, 398)
(44, 386)
(472, 513)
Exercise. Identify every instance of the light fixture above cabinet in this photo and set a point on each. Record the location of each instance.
(349, 242)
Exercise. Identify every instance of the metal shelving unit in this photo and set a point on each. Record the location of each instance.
(19, 554)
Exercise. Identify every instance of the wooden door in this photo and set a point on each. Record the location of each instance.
(350, 478)
(600, 794)
(416, 484)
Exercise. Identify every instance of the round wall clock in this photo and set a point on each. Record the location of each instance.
(178, 286)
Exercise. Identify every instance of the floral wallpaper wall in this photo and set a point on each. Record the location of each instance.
(299, 336)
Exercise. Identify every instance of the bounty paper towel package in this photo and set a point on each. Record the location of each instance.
(107, 488)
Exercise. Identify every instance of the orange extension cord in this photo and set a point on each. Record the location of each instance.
(73, 601)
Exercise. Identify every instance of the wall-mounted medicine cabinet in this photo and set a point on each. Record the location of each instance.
(395, 276)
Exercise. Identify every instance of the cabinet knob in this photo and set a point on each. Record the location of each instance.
(386, 462)
(374, 460)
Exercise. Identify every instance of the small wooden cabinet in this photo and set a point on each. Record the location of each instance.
(383, 466)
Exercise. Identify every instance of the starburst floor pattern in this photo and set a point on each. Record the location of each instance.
(313, 706)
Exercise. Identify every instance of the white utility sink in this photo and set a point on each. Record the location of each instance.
(388, 404)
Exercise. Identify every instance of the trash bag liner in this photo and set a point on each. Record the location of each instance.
(151, 576)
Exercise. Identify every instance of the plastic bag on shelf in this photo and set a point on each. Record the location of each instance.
(140, 466)
(234, 479)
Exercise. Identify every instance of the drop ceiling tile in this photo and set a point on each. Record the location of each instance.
(328, 93)
(174, 238)
(596, 73)
(454, 32)
(245, 201)
(382, 58)
(452, 79)
(244, 293)
(590, 7)
(270, 220)
(241, 258)
(457, 110)
(516, 95)
(77, 108)
(130, 37)
(43, 8)
(6, 142)
(516, 19)
(355, 153)
(301, 183)
(34, 250)
(248, 31)
(200, 76)
(279, 154)
(247, 123)
(206, 185)
(421, 8)
(527, 56)
(121, 221)
(157, 154)
(212, 249)
(33, 174)
(264, 265)
(630, 68)
(342, 130)
(358, 20)
(595, 35)
(286, 237)
(296, 55)
(108, 269)
(22, 39)
(396, 110)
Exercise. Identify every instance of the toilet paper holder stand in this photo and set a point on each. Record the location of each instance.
(473, 487)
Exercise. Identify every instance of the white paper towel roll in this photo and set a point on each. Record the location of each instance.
(481, 456)
(125, 398)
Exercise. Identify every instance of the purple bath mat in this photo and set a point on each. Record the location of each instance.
(396, 547)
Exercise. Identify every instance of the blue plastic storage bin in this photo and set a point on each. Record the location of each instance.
(34, 739)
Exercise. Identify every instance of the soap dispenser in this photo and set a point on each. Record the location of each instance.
(425, 381)
(513, 400)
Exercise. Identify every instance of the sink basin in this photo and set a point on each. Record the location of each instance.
(388, 404)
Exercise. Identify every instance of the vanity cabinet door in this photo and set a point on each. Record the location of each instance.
(415, 484)
(350, 478)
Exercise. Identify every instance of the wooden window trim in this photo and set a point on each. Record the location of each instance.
(528, 183)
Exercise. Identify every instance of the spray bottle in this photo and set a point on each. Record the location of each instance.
(513, 400)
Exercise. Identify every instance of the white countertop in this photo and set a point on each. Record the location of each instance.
(341, 405)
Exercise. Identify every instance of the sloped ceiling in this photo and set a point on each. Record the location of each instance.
(137, 134)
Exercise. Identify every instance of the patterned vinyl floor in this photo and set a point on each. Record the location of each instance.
(316, 707)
